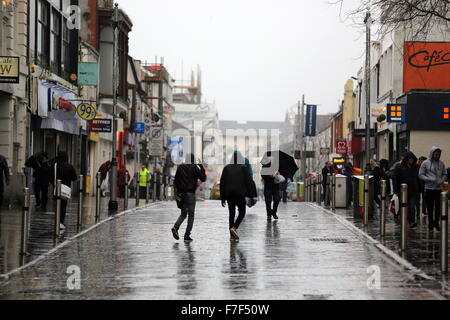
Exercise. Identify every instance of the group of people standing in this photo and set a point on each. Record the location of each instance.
(237, 190)
(46, 172)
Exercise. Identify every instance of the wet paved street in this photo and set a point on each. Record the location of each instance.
(307, 254)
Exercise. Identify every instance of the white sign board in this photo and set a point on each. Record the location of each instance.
(156, 141)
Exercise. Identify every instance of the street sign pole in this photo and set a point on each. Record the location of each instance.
(113, 204)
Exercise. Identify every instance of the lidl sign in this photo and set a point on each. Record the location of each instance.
(9, 69)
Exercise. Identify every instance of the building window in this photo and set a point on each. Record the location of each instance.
(65, 61)
(43, 42)
(55, 42)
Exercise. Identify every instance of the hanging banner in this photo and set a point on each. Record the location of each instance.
(9, 69)
(87, 74)
(311, 120)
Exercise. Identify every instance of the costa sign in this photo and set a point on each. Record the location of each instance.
(426, 65)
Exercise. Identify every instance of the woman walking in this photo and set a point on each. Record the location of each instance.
(235, 185)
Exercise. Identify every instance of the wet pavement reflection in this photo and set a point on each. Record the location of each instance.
(307, 254)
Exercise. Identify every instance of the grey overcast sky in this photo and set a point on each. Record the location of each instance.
(257, 57)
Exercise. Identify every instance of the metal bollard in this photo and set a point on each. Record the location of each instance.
(58, 210)
(125, 203)
(80, 204)
(153, 183)
(404, 216)
(137, 189)
(444, 232)
(328, 193)
(383, 208)
(366, 199)
(98, 197)
(333, 192)
(308, 182)
(313, 189)
(25, 213)
(319, 190)
(147, 192)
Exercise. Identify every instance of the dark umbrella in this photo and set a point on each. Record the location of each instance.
(283, 162)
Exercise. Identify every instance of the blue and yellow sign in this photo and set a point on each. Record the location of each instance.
(86, 111)
(396, 113)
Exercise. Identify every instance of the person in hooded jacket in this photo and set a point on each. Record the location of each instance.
(406, 173)
(186, 180)
(433, 174)
(41, 170)
(271, 188)
(236, 184)
(67, 174)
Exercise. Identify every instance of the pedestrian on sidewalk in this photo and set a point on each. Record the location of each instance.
(406, 173)
(185, 186)
(4, 177)
(41, 173)
(144, 180)
(104, 171)
(271, 187)
(421, 203)
(433, 174)
(236, 184)
(377, 175)
(67, 174)
(328, 169)
(348, 172)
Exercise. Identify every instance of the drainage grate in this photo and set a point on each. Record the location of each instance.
(316, 297)
(335, 240)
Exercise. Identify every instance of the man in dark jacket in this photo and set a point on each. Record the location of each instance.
(406, 173)
(328, 169)
(41, 168)
(236, 184)
(4, 173)
(186, 180)
(67, 174)
(271, 188)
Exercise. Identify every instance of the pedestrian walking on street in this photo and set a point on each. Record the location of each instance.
(185, 186)
(144, 179)
(377, 176)
(236, 184)
(67, 174)
(271, 188)
(348, 172)
(41, 173)
(328, 169)
(421, 203)
(104, 172)
(407, 173)
(4, 177)
(433, 174)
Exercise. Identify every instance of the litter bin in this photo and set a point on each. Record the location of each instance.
(301, 191)
(358, 197)
(341, 191)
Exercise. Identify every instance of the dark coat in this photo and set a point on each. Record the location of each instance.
(41, 170)
(4, 171)
(64, 171)
(403, 174)
(236, 182)
(187, 176)
(325, 172)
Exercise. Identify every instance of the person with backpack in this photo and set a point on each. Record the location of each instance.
(64, 171)
(433, 174)
(236, 184)
(185, 186)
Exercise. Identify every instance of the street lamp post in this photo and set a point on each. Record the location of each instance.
(113, 204)
(368, 22)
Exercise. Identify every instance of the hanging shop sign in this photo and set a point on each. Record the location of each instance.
(139, 127)
(100, 126)
(9, 69)
(87, 74)
(86, 111)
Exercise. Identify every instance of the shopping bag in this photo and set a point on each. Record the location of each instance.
(66, 192)
(180, 200)
(395, 205)
(251, 202)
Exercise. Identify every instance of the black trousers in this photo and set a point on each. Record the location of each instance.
(433, 201)
(188, 211)
(238, 202)
(41, 194)
(272, 194)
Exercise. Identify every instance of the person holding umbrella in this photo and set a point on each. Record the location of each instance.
(277, 167)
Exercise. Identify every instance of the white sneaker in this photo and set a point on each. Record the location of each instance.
(62, 227)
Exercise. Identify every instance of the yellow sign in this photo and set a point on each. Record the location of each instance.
(9, 69)
(86, 111)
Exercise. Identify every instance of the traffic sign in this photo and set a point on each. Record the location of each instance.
(156, 141)
(139, 127)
